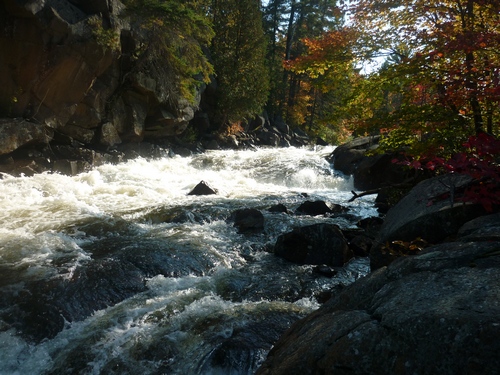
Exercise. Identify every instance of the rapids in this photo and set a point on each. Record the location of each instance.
(119, 271)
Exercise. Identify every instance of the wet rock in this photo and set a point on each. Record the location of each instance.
(242, 352)
(203, 189)
(315, 208)
(268, 138)
(426, 212)
(436, 312)
(211, 144)
(248, 220)
(277, 208)
(369, 171)
(314, 244)
(118, 270)
(142, 149)
(66, 167)
(325, 270)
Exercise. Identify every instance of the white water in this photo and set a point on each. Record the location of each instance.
(52, 226)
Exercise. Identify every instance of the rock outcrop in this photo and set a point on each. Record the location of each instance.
(427, 212)
(69, 76)
(435, 312)
(368, 171)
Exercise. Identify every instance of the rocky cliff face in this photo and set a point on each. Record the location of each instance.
(67, 69)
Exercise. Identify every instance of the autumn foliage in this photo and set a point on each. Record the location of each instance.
(480, 159)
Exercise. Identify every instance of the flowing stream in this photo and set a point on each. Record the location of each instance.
(119, 271)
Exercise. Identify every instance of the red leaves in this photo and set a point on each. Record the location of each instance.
(480, 160)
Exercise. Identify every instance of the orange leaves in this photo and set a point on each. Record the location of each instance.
(323, 53)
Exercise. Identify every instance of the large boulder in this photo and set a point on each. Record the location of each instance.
(346, 157)
(368, 171)
(376, 171)
(433, 313)
(427, 212)
(314, 244)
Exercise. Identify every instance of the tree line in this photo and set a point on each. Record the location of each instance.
(437, 79)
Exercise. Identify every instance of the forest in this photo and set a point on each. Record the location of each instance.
(424, 74)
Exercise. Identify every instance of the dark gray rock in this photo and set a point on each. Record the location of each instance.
(377, 171)
(277, 208)
(16, 133)
(346, 157)
(426, 212)
(248, 220)
(203, 188)
(314, 244)
(483, 228)
(433, 313)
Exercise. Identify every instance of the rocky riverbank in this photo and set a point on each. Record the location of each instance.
(431, 303)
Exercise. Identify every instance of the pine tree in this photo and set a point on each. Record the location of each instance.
(238, 51)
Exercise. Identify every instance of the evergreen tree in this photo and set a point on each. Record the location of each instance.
(238, 51)
(171, 36)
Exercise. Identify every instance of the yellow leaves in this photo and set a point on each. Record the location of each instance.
(330, 50)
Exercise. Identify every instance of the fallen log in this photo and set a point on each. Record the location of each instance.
(362, 194)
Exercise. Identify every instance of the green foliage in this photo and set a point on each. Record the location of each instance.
(106, 38)
(238, 51)
(439, 85)
(172, 35)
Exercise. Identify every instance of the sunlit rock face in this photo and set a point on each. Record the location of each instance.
(59, 74)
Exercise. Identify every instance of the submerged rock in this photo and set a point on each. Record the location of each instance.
(315, 208)
(278, 208)
(436, 312)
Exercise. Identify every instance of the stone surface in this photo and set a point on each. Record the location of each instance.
(203, 188)
(16, 133)
(436, 312)
(248, 220)
(425, 212)
(346, 157)
(378, 171)
(314, 244)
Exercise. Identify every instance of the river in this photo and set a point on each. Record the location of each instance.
(120, 271)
